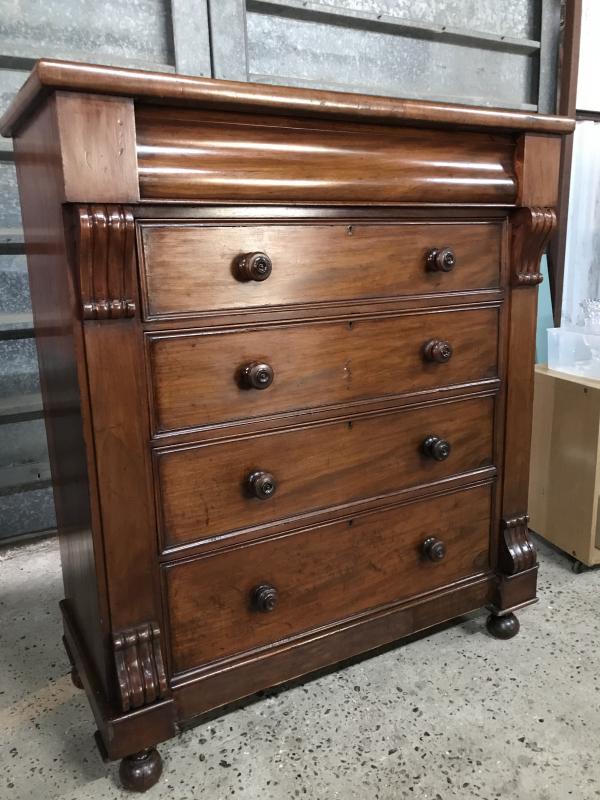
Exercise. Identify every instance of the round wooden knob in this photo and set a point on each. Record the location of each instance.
(434, 447)
(438, 350)
(434, 549)
(264, 598)
(257, 375)
(254, 267)
(262, 485)
(441, 260)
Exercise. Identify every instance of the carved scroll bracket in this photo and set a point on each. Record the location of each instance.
(517, 551)
(106, 256)
(139, 664)
(531, 229)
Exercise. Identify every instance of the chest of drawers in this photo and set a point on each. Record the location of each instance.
(286, 342)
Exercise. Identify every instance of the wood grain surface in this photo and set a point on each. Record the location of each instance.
(202, 489)
(184, 90)
(322, 575)
(190, 268)
(145, 325)
(197, 378)
(193, 155)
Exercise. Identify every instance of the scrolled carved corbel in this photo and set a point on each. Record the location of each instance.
(531, 229)
(106, 254)
(139, 664)
(517, 552)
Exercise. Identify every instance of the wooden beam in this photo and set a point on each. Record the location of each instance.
(566, 105)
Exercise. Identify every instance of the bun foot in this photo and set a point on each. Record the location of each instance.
(75, 679)
(503, 627)
(141, 771)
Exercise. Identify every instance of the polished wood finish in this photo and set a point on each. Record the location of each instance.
(261, 484)
(517, 576)
(517, 553)
(566, 103)
(434, 549)
(264, 598)
(531, 230)
(322, 575)
(200, 692)
(253, 267)
(202, 489)
(206, 158)
(119, 418)
(288, 391)
(97, 137)
(256, 375)
(438, 350)
(198, 379)
(441, 260)
(140, 771)
(436, 448)
(182, 90)
(139, 665)
(190, 268)
(60, 348)
(105, 246)
(118, 734)
(503, 626)
(538, 162)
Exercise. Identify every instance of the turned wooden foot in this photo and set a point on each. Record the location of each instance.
(503, 627)
(141, 771)
(76, 680)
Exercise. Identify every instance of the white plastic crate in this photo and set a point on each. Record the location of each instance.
(576, 351)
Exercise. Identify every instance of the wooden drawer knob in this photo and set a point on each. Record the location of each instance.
(434, 447)
(438, 350)
(434, 549)
(257, 375)
(262, 485)
(441, 260)
(264, 598)
(254, 267)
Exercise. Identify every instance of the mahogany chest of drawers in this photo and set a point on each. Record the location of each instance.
(286, 342)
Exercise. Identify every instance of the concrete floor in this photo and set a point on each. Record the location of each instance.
(455, 714)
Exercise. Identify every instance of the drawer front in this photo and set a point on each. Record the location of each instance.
(322, 575)
(190, 268)
(209, 156)
(204, 379)
(210, 489)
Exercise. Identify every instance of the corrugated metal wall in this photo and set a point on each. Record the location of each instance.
(474, 51)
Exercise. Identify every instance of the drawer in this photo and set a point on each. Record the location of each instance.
(210, 489)
(319, 576)
(201, 379)
(189, 269)
(204, 156)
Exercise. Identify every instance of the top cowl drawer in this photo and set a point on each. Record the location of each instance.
(184, 154)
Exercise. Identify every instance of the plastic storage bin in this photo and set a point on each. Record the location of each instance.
(576, 351)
